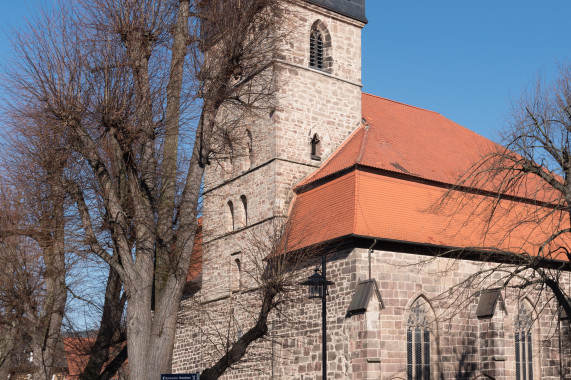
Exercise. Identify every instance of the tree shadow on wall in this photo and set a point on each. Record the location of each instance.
(466, 359)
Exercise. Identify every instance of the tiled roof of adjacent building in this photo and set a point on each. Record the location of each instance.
(77, 353)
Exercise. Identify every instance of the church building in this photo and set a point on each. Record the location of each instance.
(359, 177)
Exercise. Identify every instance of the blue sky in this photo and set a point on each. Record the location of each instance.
(462, 58)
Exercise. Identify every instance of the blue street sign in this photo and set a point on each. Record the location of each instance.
(180, 376)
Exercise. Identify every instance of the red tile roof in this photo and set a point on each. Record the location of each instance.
(77, 352)
(408, 140)
(386, 179)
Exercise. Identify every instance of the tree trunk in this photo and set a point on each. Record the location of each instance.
(151, 337)
(561, 299)
(48, 346)
(139, 327)
(109, 329)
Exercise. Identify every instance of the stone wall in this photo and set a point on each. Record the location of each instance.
(462, 346)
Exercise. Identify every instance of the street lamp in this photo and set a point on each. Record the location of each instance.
(318, 283)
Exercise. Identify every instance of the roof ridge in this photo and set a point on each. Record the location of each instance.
(401, 103)
(363, 141)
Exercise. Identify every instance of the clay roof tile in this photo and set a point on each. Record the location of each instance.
(403, 159)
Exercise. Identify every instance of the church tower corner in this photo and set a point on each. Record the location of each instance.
(317, 81)
(316, 105)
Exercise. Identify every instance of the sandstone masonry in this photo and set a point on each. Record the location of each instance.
(245, 195)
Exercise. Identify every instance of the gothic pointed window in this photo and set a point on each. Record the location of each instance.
(418, 341)
(316, 49)
(523, 325)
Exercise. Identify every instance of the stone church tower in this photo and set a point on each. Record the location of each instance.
(318, 104)
(366, 172)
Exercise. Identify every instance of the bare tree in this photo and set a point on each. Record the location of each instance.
(35, 206)
(126, 81)
(33, 232)
(20, 295)
(519, 197)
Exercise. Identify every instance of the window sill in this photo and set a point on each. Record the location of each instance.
(326, 71)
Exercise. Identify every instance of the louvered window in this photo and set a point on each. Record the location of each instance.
(523, 343)
(316, 49)
(418, 342)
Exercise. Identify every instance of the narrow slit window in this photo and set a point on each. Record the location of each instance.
(236, 275)
(244, 211)
(230, 217)
(249, 147)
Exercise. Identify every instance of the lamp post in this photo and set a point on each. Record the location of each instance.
(318, 283)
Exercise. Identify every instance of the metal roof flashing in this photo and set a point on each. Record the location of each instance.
(363, 292)
(354, 9)
(487, 303)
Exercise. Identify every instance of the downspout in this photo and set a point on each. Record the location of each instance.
(370, 252)
(560, 350)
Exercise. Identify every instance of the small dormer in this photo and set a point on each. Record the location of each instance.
(351, 8)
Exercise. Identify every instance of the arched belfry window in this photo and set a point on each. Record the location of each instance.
(316, 49)
(418, 326)
(523, 326)
(320, 47)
